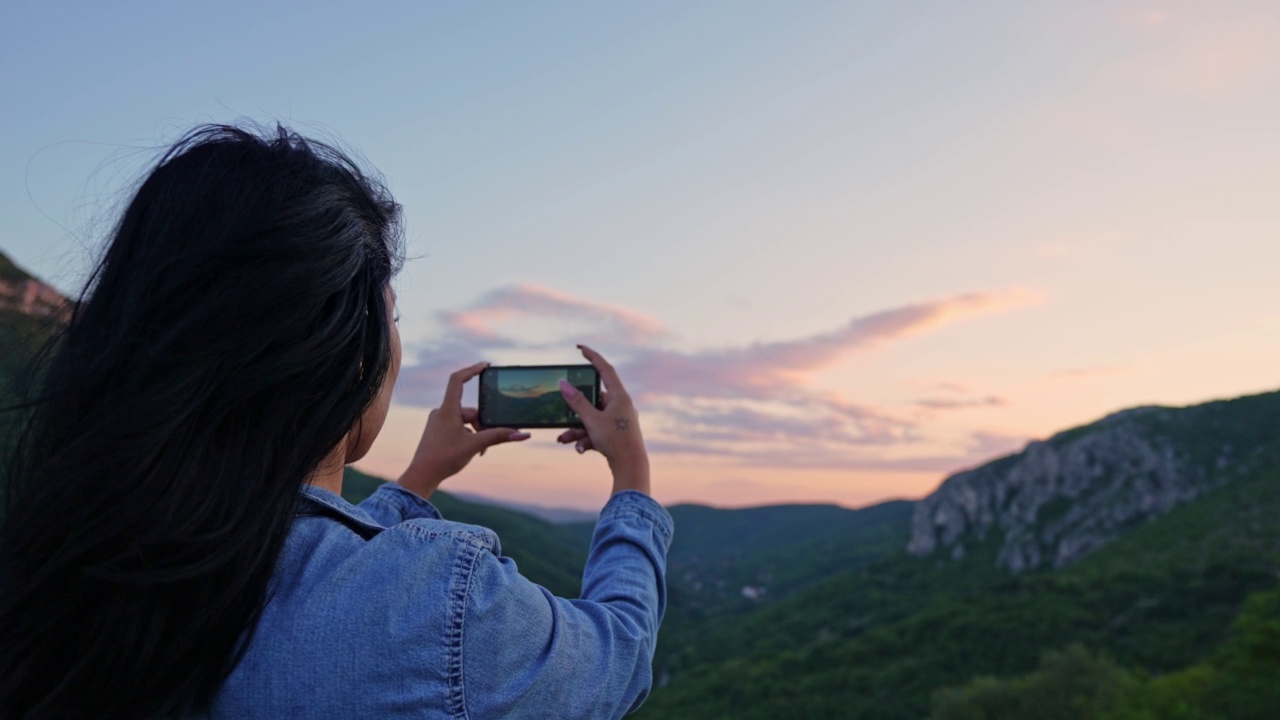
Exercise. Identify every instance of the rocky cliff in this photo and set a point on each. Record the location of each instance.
(1063, 498)
(25, 295)
(30, 312)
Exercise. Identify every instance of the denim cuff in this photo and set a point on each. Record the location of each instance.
(633, 503)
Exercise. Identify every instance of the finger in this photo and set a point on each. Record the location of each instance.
(496, 436)
(576, 400)
(453, 391)
(583, 445)
(606, 370)
(471, 417)
(572, 435)
(604, 398)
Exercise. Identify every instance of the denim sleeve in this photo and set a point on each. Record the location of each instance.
(391, 505)
(526, 652)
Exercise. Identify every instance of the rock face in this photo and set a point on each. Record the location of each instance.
(28, 296)
(1061, 499)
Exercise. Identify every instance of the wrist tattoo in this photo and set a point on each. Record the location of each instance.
(621, 423)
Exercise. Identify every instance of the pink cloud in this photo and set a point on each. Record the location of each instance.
(765, 370)
(481, 323)
(470, 334)
(753, 402)
(736, 423)
(980, 448)
(961, 403)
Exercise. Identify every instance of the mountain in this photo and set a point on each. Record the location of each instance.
(1158, 598)
(21, 294)
(1223, 538)
(30, 313)
(880, 642)
(1064, 498)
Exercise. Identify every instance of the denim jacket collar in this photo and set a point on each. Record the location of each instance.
(318, 501)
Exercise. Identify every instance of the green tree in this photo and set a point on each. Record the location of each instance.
(1072, 684)
(1240, 681)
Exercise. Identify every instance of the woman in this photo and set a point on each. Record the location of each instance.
(174, 543)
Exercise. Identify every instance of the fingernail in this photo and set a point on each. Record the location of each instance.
(580, 448)
(570, 392)
(518, 436)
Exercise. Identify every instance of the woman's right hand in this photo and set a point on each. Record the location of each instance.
(447, 445)
(613, 429)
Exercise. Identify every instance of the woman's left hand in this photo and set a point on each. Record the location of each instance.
(452, 438)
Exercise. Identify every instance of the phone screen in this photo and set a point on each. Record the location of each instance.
(529, 396)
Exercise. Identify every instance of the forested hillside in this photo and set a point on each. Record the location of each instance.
(882, 641)
(726, 566)
(1238, 680)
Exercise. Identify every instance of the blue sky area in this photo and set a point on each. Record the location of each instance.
(841, 248)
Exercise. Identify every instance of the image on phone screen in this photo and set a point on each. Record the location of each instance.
(528, 397)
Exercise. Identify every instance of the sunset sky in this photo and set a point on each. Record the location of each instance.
(836, 250)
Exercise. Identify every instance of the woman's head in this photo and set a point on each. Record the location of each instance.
(254, 266)
(237, 329)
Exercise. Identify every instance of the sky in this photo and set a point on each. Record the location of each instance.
(837, 251)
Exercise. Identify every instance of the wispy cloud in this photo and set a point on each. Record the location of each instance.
(769, 370)
(518, 318)
(734, 423)
(489, 321)
(961, 403)
(980, 447)
(756, 403)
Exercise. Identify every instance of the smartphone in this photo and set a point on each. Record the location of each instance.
(528, 396)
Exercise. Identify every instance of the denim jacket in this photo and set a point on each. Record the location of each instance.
(388, 611)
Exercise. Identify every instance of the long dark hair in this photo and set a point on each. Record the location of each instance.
(235, 329)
